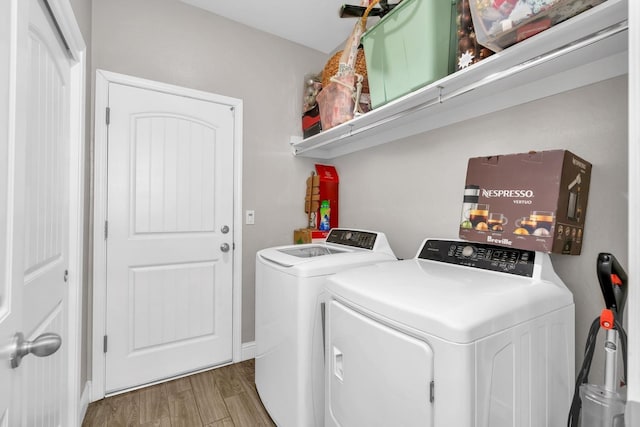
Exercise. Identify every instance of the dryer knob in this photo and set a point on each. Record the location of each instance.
(468, 251)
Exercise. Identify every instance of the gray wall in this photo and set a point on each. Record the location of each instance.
(412, 189)
(171, 42)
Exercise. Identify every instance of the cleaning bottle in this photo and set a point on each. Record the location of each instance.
(325, 213)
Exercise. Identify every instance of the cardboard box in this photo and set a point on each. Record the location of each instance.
(327, 217)
(309, 235)
(311, 122)
(535, 201)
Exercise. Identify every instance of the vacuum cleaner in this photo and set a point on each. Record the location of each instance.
(603, 405)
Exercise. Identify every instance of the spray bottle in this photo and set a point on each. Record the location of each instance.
(325, 212)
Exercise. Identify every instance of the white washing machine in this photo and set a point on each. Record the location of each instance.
(463, 335)
(289, 319)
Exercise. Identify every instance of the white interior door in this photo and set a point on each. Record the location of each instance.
(169, 236)
(35, 204)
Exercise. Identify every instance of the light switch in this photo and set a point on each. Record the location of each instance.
(250, 217)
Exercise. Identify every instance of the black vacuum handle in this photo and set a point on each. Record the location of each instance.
(615, 294)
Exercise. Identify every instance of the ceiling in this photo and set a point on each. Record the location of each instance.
(311, 23)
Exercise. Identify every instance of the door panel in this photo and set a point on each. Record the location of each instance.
(174, 177)
(44, 208)
(170, 191)
(171, 304)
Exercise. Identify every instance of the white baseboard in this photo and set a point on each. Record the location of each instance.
(85, 399)
(248, 350)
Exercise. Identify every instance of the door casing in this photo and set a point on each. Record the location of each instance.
(103, 78)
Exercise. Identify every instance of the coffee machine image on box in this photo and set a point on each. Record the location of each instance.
(574, 209)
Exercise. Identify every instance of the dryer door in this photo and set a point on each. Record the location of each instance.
(376, 375)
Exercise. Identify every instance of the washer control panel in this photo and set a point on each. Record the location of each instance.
(353, 238)
(479, 255)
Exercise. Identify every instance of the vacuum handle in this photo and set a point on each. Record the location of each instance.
(614, 291)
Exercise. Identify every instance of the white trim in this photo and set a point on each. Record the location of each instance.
(248, 351)
(85, 399)
(237, 233)
(76, 233)
(633, 314)
(103, 78)
(66, 21)
(99, 249)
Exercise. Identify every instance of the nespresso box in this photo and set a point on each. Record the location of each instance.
(535, 201)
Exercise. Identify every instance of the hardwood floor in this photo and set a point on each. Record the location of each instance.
(222, 397)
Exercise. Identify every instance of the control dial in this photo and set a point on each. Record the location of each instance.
(468, 251)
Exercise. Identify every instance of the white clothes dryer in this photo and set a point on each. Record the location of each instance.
(464, 335)
(289, 361)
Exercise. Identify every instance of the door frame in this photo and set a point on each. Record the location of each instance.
(69, 30)
(103, 78)
(633, 316)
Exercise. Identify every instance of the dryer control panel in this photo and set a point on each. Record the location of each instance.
(479, 255)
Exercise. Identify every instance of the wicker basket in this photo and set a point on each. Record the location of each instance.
(331, 68)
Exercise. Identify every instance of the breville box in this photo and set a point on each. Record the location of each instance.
(535, 201)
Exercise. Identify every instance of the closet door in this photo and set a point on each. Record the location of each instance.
(34, 201)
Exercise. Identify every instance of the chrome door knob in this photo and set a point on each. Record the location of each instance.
(43, 346)
(225, 247)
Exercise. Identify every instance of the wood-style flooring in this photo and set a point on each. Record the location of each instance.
(222, 397)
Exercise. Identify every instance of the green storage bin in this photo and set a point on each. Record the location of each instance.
(409, 48)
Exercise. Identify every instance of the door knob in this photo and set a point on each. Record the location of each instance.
(225, 247)
(44, 345)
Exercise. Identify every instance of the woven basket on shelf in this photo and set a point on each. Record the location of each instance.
(331, 68)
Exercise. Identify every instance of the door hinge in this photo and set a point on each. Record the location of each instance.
(432, 387)
(108, 116)
(104, 344)
(106, 230)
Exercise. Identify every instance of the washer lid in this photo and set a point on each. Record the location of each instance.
(456, 303)
(293, 255)
(311, 251)
(322, 260)
(344, 248)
